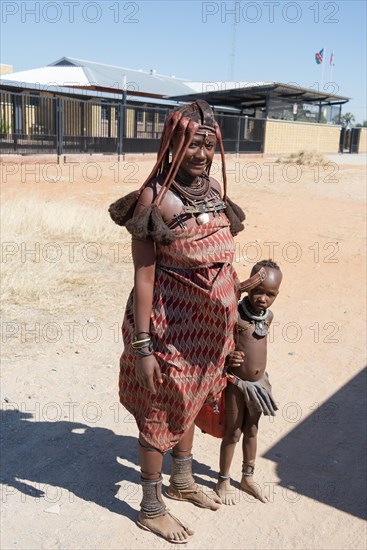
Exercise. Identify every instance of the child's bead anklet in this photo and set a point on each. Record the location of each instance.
(248, 465)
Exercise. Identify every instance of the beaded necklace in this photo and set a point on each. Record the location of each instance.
(199, 191)
(198, 200)
(256, 318)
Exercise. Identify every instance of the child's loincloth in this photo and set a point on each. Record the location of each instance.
(258, 395)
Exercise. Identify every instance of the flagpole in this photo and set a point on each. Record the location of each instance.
(322, 70)
(331, 66)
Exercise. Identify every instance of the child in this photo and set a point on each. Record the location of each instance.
(248, 392)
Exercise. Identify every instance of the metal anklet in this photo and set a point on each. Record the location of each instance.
(248, 465)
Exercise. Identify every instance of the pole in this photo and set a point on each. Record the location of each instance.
(58, 127)
(239, 119)
(331, 66)
(322, 71)
(233, 48)
(122, 114)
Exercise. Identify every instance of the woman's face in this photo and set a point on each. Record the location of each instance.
(199, 154)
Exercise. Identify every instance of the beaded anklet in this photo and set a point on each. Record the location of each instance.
(248, 465)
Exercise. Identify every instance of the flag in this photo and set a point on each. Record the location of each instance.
(332, 59)
(319, 56)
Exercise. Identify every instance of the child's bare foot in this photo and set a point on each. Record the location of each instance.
(226, 492)
(167, 527)
(252, 488)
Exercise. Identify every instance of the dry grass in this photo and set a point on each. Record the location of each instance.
(60, 255)
(304, 158)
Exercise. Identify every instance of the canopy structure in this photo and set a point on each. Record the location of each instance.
(262, 97)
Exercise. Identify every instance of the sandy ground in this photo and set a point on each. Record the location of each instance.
(70, 472)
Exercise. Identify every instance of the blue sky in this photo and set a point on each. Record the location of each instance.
(272, 40)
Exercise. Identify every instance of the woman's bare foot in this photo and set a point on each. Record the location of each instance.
(226, 492)
(197, 495)
(167, 527)
(252, 488)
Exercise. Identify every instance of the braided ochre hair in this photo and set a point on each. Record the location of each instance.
(185, 122)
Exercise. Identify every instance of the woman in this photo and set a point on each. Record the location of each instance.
(180, 317)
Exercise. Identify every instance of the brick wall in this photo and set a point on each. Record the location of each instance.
(363, 141)
(282, 136)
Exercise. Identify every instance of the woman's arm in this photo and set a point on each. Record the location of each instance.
(143, 252)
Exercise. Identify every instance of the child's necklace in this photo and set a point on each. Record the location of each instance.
(257, 319)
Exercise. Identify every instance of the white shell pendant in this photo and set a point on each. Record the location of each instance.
(202, 218)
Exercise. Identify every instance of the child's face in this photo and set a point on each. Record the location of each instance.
(263, 295)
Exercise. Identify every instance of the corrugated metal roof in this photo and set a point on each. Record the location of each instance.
(255, 93)
(70, 71)
(59, 76)
(109, 76)
(82, 93)
(98, 94)
(220, 85)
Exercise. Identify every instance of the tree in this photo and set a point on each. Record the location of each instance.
(347, 120)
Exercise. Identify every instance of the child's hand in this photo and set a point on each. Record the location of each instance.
(235, 359)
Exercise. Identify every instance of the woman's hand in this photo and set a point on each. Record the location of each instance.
(235, 359)
(147, 372)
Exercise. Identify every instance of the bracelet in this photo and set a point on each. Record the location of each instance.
(144, 341)
(142, 346)
(144, 354)
(139, 350)
(141, 332)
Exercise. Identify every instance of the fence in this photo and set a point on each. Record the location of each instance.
(44, 124)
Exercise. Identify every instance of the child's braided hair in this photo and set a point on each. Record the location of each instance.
(264, 263)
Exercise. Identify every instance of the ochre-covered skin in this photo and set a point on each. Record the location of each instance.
(248, 363)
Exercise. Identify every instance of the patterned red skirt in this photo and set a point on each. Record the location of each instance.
(193, 320)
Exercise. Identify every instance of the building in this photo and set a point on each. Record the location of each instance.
(72, 105)
(5, 69)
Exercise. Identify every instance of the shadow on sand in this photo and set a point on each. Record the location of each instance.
(324, 457)
(72, 456)
(79, 459)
